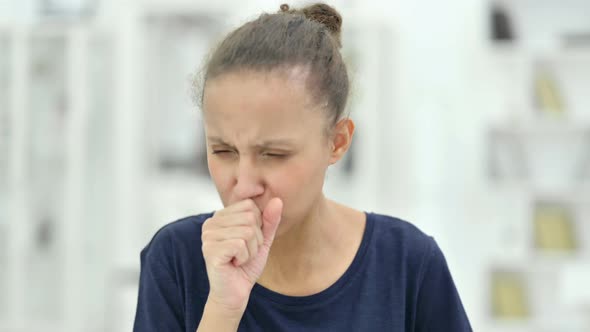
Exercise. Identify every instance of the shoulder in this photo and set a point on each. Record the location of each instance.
(174, 253)
(413, 256)
(399, 233)
(402, 243)
(177, 235)
(183, 227)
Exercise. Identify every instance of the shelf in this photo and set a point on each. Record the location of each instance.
(548, 154)
(543, 288)
(575, 274)
(519, 73)
(541, 24)
(509, 50)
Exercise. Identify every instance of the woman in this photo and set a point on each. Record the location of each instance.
(280, 256)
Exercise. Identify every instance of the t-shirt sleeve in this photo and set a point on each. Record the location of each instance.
(439, 305)
(159, 304)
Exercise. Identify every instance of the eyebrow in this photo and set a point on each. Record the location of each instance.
(260, 145)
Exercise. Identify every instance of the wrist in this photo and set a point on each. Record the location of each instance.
(217, 309)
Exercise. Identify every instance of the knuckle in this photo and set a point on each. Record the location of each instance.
(251, 218)
(208, 223)
(206, 248)
(242, 246)
(251, 204)
(235, 244)
(248, 232)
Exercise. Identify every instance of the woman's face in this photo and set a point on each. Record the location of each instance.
(266, 138)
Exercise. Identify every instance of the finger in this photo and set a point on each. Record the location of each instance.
(246, 233)
(248, 218)
(237, 232)
(232, 250)
(241, 206)
(271, 218)
(252, 244)
(241, 253)
(223, 252)
(259, 236)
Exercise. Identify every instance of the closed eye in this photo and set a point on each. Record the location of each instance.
(274, 155)
(221, 151)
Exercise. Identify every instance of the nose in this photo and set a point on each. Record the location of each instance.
(247, 182)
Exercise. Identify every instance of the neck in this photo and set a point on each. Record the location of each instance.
(297, 252)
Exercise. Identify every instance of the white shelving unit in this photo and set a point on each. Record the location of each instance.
(544, 156)
(545, 153)
(50, 228)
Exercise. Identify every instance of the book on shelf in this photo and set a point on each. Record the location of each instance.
(554, 227)
(548, 97)
(509, 295)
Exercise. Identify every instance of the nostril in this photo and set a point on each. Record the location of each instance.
(248, 187)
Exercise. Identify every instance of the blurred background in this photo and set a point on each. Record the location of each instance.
(473, 123)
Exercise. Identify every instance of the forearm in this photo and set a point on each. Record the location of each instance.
(217, 319)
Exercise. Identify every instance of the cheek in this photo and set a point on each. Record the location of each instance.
(219, 174)
(297, 180)
(299, 186)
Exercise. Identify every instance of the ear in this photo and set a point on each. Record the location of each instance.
(340, 139)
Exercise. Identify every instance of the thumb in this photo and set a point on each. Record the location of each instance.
(271, 218)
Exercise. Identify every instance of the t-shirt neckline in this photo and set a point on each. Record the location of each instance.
(332, 290)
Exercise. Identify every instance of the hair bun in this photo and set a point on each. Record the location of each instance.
(285, 8)
(323, 14)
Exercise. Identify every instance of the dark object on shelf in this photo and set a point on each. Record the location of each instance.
(553, 227)
(45, 233)
(573, 40)
(501, 24)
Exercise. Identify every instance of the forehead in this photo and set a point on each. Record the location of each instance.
(260, 104)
